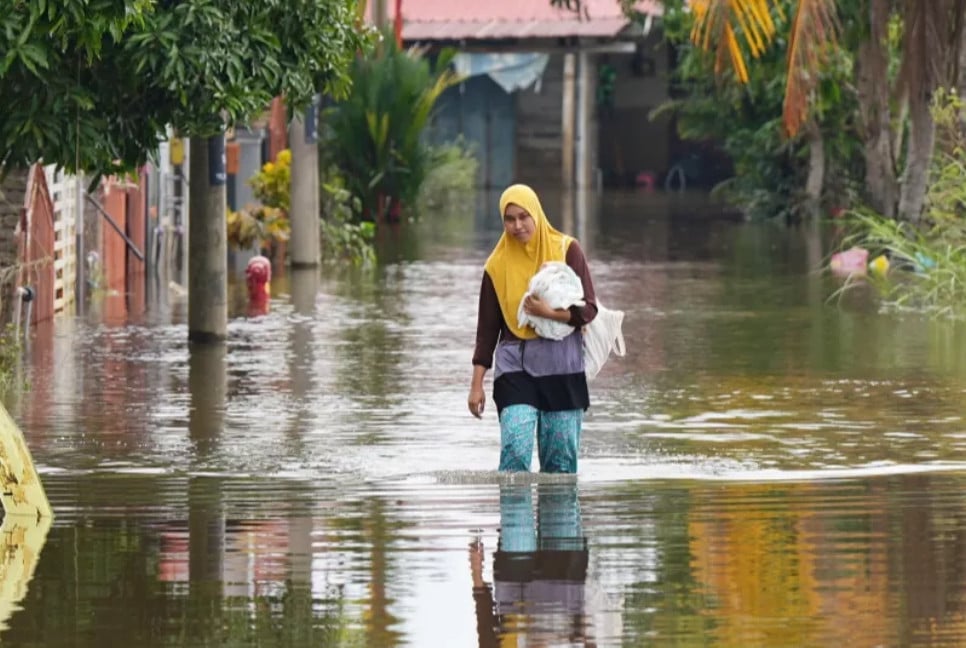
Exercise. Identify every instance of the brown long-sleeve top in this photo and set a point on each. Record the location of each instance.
(491, 327)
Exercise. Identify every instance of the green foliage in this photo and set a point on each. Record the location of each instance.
(935, 251)
(746, 121)
(95, 84)
(374, 135)
(10, 359)
(946, 196)
(450, 179)
(936, 264)
(63, 84)
(344, 240)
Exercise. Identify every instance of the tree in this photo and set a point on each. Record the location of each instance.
(897, 164)
(774, 176)
(62, 97)
(93, 85)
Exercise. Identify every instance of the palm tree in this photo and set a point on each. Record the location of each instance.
(931, 45)
(717, 24)
(898, 132)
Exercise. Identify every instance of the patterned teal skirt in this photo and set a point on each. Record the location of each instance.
(557, 435)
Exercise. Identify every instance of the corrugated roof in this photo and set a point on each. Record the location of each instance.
(504, 19)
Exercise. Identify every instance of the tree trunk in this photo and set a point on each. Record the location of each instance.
(207, 242)
(922, 139)
(816, 166)
(872, 82)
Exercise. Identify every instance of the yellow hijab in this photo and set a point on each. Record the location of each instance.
(512, 264)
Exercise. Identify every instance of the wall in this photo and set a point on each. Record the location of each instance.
(539, 131)
(540, 124)
(629, 142)
(483, 113)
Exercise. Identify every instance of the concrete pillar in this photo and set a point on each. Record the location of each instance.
(380, 13)
(304, 213)
(207, 242)
(583, 157)
(567, 123)
(249, 163)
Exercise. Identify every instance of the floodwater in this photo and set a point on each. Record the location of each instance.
(765, 467)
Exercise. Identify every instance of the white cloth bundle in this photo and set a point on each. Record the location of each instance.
(558, 285)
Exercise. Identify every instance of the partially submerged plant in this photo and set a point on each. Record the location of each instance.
(342, 238)
(934, 252)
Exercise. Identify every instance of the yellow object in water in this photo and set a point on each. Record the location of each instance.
(879, 265)
(26, 517)
(21, 540)
(22, 493)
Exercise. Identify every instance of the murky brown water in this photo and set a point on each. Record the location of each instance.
(764, 468)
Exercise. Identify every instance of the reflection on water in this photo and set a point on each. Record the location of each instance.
(21, 541)
(541, 593)
(874, 562)
(538, 594)
(763, 468)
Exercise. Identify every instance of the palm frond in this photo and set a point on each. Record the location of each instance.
(718, 24)
(814, 28)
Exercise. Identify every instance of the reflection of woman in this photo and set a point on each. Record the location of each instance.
(539, 570)
(539, 383)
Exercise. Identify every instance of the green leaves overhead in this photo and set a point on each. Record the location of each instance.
(94, 83)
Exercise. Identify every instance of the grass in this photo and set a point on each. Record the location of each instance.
(927, 268)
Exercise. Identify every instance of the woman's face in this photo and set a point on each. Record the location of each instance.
(518, 223)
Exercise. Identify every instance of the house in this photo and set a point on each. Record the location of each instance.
(550, 94)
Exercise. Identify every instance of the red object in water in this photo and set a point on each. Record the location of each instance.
(645, 180)
(258, 277)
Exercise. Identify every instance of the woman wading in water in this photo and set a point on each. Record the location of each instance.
(539, 385)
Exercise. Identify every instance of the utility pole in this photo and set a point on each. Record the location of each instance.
(380, 13)
(304, 210)
(207, 241)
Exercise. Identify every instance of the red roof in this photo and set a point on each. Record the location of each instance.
(499, 19)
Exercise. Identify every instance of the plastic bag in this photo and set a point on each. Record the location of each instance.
(602, 336)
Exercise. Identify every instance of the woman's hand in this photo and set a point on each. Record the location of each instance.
(536, 307)
(476, 401)
(533, 305)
